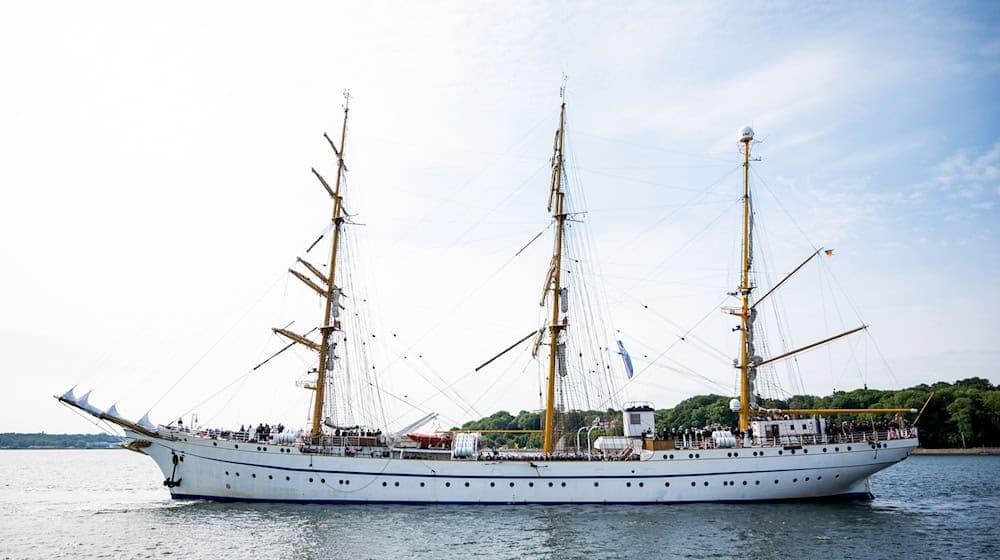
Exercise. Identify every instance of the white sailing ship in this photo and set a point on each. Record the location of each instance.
(773, 455)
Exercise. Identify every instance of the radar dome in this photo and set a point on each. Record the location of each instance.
(734, 404)
(746, 134)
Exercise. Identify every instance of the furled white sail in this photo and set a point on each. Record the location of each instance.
(84, 403)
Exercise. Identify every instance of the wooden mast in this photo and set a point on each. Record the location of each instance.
(555, 327)
(745, 288)
(328, 325)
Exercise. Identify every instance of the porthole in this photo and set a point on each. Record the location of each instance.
(237, 474)
(754, 453)
(340, 482)
(793, 452)
(837, 449)
(596, 484)
(725, 483)
(807, 479)
(671, 455)
(322, 481)
(736, 453)
(214, 444)
(819, 478)
(666, 485)
(697, 455)
(795, 480)
(836, 476)
(805, 451)
(254, 475)
(550, 484)
(237, 446)
(824, 450)
(776, 481)
(628, 485)
(706, 483)
(563, 484)
(447, 485)
(288, 478)
(396, 483)
(848, 447)
(641, 484)
(348, 482)
(664, 455)
(265, 449)
(730, 454)
(756, 483)
(258, 448)
(492, 484)
(690, 455)
(744, 483)
(227, 473)
(780, 452)
(384, 484)
(531, 485)
(270, 477)
(310, 479)
(467, 484)
(511, 484)
(693, 483)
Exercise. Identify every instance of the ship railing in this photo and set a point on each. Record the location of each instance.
(696, 441)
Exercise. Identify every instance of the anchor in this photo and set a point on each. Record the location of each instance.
(170, 482)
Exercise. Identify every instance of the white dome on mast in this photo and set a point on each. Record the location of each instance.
(746, 134)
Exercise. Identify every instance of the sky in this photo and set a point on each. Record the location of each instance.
(155, 182)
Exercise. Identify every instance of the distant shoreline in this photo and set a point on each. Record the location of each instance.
(959, 451)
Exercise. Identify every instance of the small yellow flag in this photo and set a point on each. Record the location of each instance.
(829, 252)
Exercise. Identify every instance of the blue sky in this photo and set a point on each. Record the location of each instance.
(156, 183)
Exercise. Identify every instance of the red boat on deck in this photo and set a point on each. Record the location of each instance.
(428, 441)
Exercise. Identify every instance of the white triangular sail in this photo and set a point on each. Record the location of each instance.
(146, 423)
(113, 411)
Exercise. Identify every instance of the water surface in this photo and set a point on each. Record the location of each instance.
(84, 504)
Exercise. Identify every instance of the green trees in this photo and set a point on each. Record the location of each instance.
(965, 413)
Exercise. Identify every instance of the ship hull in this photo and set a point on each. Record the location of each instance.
(201, 468)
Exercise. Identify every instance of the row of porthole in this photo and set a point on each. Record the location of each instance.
(733, 454)
(551, 484)
(757, 482)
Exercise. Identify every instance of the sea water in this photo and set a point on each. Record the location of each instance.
(111, 504)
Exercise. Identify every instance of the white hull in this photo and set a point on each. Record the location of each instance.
(238, 471)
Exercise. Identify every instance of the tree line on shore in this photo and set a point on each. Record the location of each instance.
(965, 413)
(12, 440)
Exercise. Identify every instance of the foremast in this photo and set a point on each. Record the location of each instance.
(329, 325)
(556, 325)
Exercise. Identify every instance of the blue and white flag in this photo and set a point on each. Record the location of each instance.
(625, 358)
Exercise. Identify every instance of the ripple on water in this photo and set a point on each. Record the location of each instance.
(110, 504)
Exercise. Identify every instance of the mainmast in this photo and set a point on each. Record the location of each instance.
(329, 325)
(746, 311)
(556, 326)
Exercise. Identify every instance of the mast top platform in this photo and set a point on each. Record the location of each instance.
(746, 134)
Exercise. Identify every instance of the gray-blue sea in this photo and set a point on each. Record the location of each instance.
(110, 504)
